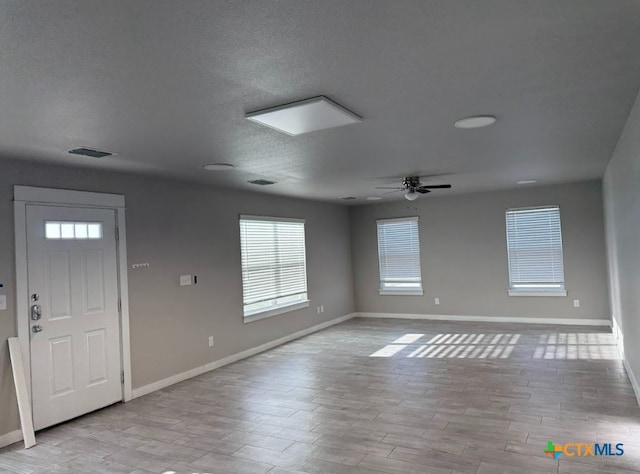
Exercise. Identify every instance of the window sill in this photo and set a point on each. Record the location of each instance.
(276, 311)
(402, 292)
(537, 293)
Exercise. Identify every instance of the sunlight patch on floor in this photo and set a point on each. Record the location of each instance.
(408, 339)
(553, 346)
(388, 351)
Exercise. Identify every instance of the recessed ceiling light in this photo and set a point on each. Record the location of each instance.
(374, 198)
(527, 181)
(476, 121)
(305, 116)
(218, 167)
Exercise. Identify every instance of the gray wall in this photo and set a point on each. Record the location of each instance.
(464, 259)
(182, 228)
(622, 215)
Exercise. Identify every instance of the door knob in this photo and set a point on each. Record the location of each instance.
(36, 312)
(36, 328)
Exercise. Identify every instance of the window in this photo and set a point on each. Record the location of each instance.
(274, 268)
(534, 247)
(72, 230)
(399, 256)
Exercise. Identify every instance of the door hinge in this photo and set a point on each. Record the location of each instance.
(119, 305)
(122, 377)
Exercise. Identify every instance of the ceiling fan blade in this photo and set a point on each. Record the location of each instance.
(433, 176)
(435, 186)
(397, 188)
(422, 190)
(422, 174)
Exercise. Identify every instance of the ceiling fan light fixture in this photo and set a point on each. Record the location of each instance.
(475, 121)
(411, 195)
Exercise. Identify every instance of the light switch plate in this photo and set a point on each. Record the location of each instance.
(3, 302)
(185, 280)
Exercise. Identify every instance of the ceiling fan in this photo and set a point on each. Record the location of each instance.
(413, 188)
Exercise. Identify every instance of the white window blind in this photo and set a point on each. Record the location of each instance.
(399, 254)
(274, 270)
(534, 247)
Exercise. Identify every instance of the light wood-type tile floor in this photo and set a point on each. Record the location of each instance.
(371, 396)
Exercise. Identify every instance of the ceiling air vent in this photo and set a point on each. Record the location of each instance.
(262, 182)
(83, 151)
(348, 198)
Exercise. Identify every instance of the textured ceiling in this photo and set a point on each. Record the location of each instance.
(166, 84)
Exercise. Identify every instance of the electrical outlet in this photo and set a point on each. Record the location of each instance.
(436, 300)
(136, 266)
(185, 280)
(576, 303)
(210, 341)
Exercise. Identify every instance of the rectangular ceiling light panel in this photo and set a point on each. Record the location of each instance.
(305, 116)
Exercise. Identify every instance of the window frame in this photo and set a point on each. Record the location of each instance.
(273, 307)
(535, 288)
(396, 287)
(49, 225)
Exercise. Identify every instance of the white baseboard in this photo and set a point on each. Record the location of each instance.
(619, 336)
(489, 319)
(10, 438)
(152, 387)
(632, 379)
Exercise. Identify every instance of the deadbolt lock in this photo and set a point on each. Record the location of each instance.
(36, 312)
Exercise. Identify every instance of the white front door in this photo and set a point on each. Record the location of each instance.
(75, 338)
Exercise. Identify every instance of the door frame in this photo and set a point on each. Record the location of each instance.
(27, 195)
